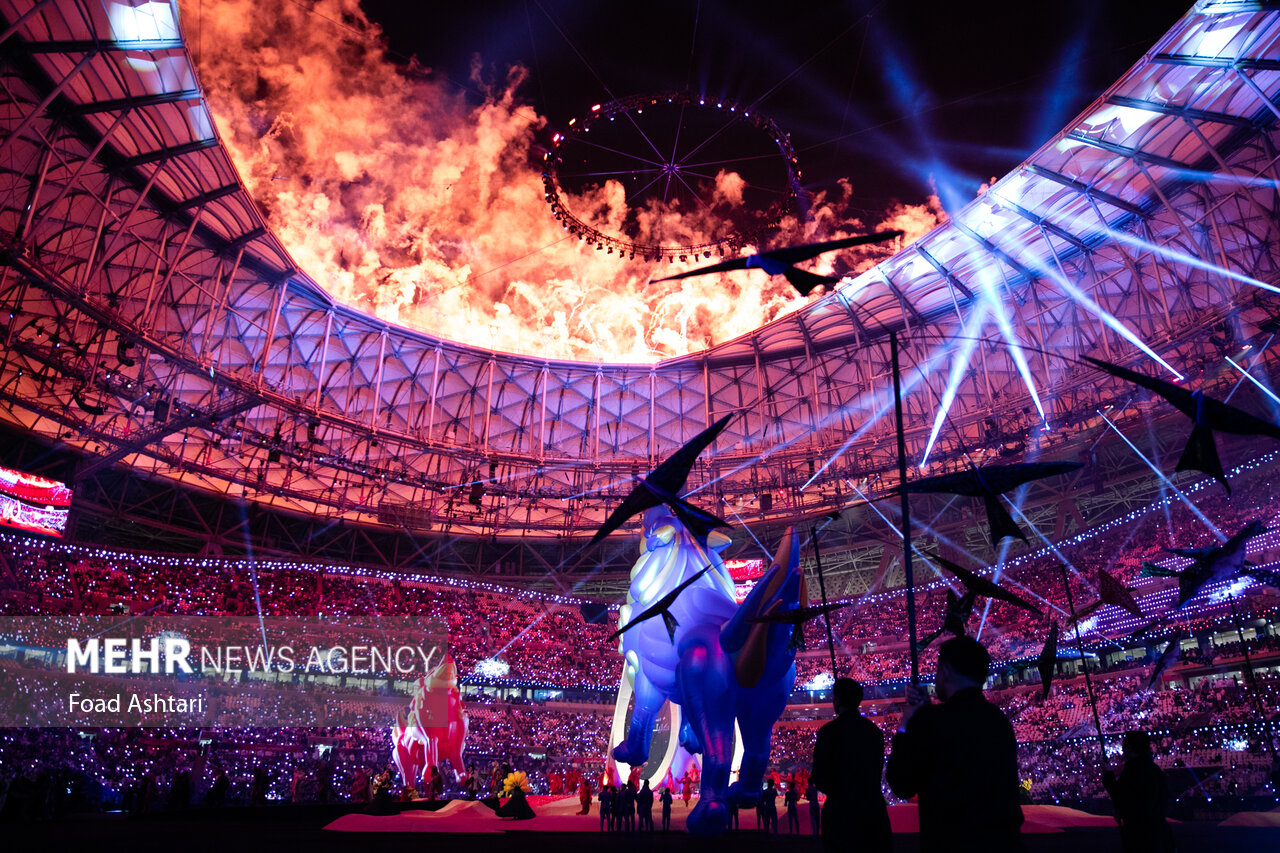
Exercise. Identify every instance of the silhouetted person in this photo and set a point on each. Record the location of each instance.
(644, 806)
(606, 808)
(666, 800)
(769, 808)
(216, 798)
(1140, 798)
(258, 792)
(180, 791)
(960, 758)
(629, 805)
(848, 760)
(792, 802)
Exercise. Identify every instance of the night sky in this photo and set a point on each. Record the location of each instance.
(899, 97)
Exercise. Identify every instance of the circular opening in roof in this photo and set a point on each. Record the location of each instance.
(701, 177)
(420, 199)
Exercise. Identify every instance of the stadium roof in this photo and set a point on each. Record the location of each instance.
(155, 321)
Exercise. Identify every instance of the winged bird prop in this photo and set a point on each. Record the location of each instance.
(1216, 563)
(782, 261)
(660, 608)
(1084, 613)
(1047, 661)
(989, 483)
(1112, 592)
(800, 615)
(979, 585)
(1167, 658)
(663, 485)
(1207, 415)
(957, 613)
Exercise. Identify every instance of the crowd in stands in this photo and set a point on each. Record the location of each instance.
(319, 737)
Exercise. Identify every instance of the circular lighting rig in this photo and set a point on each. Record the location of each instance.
(668, 151)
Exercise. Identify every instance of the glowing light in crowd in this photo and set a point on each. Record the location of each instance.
(490, 668)
(1233, 590)
(821, 681)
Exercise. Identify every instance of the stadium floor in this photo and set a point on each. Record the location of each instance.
(302, 828)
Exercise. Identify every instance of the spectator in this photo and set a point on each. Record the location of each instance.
(644, 806)
(848, 761)
(1141, 798)
(960, 758)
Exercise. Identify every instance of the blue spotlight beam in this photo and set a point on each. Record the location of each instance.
(1257, 359)
(1065, 564)
(995, 304)
(1190, 260)
(956, 376)
(747, 528)
(1247, 375)
(918, 374)
(1213, 528)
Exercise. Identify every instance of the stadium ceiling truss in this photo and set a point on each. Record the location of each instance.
(149, 317)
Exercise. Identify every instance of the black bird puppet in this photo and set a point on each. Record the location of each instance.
(1207, 415)
(662, 486)
(782, 261)
(978, 585)
(954, 617)
(1167, 658)
(798, 616)
(1216, 563)
(1047, 661)
(1110, 591)
(1113, 592)
(659, 608)
(989, 483)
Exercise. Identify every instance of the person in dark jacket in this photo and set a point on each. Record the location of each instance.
(644, 807)
(792, 801)
(848, 760)
(606, 808)
(767, 819)
(1140, 798)
(815, 809)
(666, 800)
(960, 758)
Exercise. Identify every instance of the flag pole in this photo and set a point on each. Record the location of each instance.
(1084, 664)
(822, 589)
(906, 509)
(1248, 671)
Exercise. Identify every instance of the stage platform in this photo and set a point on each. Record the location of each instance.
(560, 815)
(319, 829)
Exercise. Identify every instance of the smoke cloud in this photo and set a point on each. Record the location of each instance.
(407, 200)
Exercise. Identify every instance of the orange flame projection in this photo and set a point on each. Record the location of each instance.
(405, 200)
